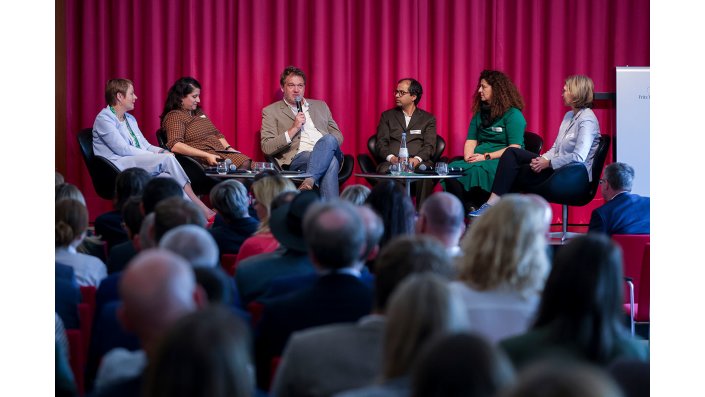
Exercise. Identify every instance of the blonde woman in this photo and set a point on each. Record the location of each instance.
(503, 266)
(264, 191)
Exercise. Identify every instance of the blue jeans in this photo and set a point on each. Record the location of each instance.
(323, 163)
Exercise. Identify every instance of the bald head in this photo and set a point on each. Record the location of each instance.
(334, 234)
(442, 216)
(157, 288)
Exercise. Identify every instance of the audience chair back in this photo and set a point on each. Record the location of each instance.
(103, 172)
(201, 183)
(229, 262)
(636, 258)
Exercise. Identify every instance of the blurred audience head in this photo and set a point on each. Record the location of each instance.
(374, 229)
(506, 247)
(66, 191)
(461, 365)
(193, 243)
(335, 234)
(395, 208)
(147, 232)
(442, 216)
(264, 191)
(175, 211)
(58, 178)
(562, 379)
(356, 194)
(205, 354)
(158, 189)
(130, 182)
(71, 222)
(229, 198)
(132, 216)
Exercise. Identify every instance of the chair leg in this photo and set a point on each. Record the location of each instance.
(564, 234)
(631, 306)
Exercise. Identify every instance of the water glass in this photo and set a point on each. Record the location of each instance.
(442, 169)
(222, 167)
(395, 169)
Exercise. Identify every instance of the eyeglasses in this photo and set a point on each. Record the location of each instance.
(400, 93)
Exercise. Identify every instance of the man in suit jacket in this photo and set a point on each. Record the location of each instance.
(322, 361)
(335, 239)
(301, 134)
(623, 212)
(420, 128)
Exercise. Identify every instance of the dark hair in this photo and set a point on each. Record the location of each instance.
(115, 86)
(393, 205)
(205, 353)
(582, 299)
(177, 92)
(334, 244)
(283, 198)
(289, 70)
(132, 215)
(565, 378)
(129, 182)
(70, 220)
(156, 190)
(216, 284)
(175, 211)
(406, 255)
(505, 94)
(620, 176)
(460, 365)
(414, 89)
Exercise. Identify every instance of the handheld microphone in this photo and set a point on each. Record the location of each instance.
(299, 107)
(228, 162)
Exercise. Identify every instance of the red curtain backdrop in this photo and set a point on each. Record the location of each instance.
(353, 52)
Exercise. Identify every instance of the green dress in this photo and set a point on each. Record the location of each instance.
(505, 131)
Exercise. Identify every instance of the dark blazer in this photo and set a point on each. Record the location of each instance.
(392, 124)
(625, 214)
(120, 255)
(67, 296)
(230, 237)
(109, 227)
(333, 298)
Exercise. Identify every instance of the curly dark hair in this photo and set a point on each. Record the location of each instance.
(177, 92)
(505, 94)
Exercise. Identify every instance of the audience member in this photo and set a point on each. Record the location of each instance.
(504, 265)
(156, 190)
(563, 379)
(146, 237)
(205, 354)
(90, 245)
(623, 212)
(70, 229)
(461, 365)
(117, 137)
(175, 211)
(356, 194)
(392, 204)
(254, 274)
(193, 243)
(130, 182)
(190, 132)
(497, 124)
(374, 230)
(157, 289)
(419, 127)
(67, 191)
(580, 315)
(229, 199)
(631, 375)
(58, 178)
(67, 295)
(265, 190)
(442, 216)
(335, 239)
(324, 360)
(309, 141)
(132, 218)
(420, 309)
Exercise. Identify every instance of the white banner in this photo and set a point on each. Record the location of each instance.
(633, 128)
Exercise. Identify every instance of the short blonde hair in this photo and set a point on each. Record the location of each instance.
(265, 190)
(507, 246)
(582, 90)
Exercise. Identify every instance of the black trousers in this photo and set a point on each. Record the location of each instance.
(514, 172)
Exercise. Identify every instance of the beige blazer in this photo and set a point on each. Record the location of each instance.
(278, 117)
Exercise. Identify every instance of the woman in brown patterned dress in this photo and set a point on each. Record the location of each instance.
(190, 132)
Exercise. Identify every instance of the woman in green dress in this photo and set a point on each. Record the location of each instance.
(497, 124)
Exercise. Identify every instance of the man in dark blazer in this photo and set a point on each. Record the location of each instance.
(623, 212)
(335, 239)
(301, 134)
(420, 128)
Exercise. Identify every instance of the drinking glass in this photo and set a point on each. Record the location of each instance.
(442, 169)
(395, 169)
(222, 167)
(259, 166)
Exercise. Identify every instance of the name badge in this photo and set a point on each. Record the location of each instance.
(415, 132)
(497, 129)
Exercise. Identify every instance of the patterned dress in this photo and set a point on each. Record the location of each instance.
(197, 130)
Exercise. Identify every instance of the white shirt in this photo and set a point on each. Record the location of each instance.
(309, 134)
(88, 269)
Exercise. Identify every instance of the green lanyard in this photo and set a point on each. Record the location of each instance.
(134, 137)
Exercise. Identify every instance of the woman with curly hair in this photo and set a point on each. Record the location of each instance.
(190, 132)
(496, 125)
